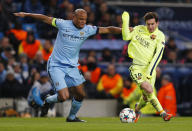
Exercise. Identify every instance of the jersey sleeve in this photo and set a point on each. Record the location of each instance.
(126, 34)
(157, 56)
(92, 30)
(59, 23)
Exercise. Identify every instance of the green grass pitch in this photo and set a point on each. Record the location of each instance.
(95, 124)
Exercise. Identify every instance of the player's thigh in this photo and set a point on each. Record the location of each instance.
(74, 77)
(137, 74)
(148, 84)
(57, 77)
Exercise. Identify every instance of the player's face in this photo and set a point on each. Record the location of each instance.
(80, 20)
(151, 25)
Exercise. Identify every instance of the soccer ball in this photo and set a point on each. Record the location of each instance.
(127, 115)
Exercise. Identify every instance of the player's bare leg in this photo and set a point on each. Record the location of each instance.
(148, 91)
(78, 96)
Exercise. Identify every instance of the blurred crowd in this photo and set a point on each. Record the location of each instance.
(26, 45)
(171, 1)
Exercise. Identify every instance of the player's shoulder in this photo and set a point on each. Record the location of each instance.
(161, 35)
(90, 28)
(63, 21)
(139, 27)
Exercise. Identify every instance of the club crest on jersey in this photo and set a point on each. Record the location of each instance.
(82, 33)
(56, 83)
(153, 36)
(139, 78)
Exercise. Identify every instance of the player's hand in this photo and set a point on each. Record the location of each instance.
(125, 16)
(20, 14)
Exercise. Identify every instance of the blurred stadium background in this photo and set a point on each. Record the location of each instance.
(21, 66)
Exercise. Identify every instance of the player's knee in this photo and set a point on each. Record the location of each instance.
(63, 97)
(80, 96)
(147, 87)
(150, 90)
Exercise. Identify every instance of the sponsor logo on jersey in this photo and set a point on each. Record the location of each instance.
(67, 31)
(73, 37)
(142, 41)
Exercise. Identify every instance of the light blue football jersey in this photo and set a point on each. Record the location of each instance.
(68, 42)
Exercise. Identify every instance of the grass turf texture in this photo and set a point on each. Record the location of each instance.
(95, 124)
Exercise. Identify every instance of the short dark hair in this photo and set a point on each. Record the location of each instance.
(151, 15)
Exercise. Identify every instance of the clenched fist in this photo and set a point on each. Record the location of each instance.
(21, 14)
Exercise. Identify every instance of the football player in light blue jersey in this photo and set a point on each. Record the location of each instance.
(63, 62)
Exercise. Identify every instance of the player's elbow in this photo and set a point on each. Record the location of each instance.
(109, 30)
(48, 20)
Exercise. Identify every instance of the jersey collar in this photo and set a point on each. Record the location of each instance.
(156, 30)
(76, 26)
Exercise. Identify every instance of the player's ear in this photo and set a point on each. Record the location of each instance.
(74, 15)
(157, 23)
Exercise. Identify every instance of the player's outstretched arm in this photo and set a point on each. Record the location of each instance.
(40, 17)
(109, 30)
(125, 26)
(112, 30)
